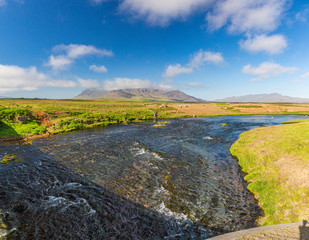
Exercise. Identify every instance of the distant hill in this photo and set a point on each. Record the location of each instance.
(266, 98)
(91, 93)
(143, 94)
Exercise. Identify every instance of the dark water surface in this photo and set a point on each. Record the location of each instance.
(130, 182)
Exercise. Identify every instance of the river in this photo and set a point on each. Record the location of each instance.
(130, 181)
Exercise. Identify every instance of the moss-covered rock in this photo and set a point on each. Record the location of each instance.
(10, 157)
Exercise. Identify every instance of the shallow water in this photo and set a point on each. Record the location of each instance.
(131, 182)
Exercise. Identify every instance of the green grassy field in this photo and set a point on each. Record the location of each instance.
(57, 116)
(276, 160)
(11, 125)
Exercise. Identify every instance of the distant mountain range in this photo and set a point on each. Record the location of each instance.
(264, 98)
(143, 94)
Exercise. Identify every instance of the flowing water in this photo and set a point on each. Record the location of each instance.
(130, 182)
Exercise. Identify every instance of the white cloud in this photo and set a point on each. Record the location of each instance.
(99, 69)
(88, 83)
(197, 60)
(302, 15)
(75, 51)
(267, 70)
(296, 81)
(173, 70)
(59, 62)
(305, 75)
(3, 3)
(273, 44)
(123, 83)
(97, 2)
(247, 15)
(71, 52)
(129, 83)
(194, 84)
(15, 78)
(164, 86)
(201, 57)
(162, 12)
(239, 16)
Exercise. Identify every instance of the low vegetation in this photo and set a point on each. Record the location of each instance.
(27, 117)
(161, 124)
(224, 109)
(9, 158)
(16, 121)
(249, 106)
(24, 117)
(276, 160)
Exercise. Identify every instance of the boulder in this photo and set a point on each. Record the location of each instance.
(23, 118)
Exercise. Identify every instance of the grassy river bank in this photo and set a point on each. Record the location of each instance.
(21, 118)
(276, 160)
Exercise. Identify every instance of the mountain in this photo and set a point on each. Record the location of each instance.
(264, 98)
(143, 94)
(91, 93)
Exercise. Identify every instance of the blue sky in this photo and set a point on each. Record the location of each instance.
(206, 48)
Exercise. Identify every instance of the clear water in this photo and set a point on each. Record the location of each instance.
(131, 182)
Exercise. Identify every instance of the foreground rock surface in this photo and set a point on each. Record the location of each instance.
(298, 230)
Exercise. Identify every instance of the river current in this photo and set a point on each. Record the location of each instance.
(130, 181)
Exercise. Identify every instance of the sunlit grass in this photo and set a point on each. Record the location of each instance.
(11, 126)
(249, 106)
(276, 160)
(69, 115)
(72, 114)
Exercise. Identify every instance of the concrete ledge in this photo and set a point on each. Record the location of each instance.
(251, 231)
